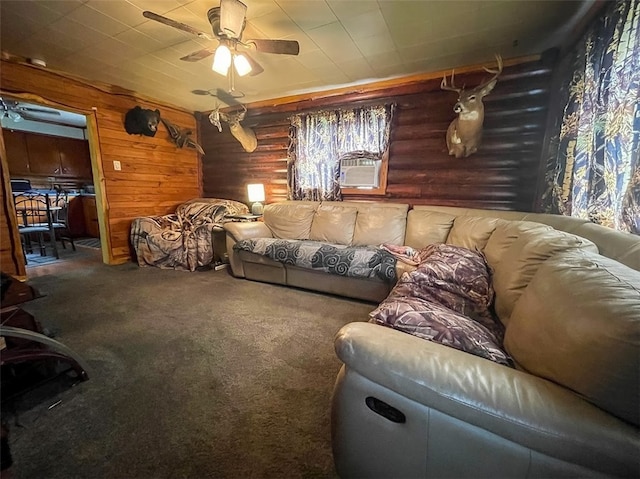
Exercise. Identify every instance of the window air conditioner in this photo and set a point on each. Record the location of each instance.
(359, 173)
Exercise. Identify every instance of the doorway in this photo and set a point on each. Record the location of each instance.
(53, 151)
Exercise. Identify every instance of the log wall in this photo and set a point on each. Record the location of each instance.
(156, 176)
(501, 175)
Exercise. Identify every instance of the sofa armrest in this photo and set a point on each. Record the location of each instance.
(247, 230)
(513, 404)
(238, 231)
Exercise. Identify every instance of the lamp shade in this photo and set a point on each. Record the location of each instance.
(255, 192)
(222, 60)
(241, 64)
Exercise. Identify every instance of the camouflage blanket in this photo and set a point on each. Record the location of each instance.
(447, 299)
(355, 261)
(183, 240)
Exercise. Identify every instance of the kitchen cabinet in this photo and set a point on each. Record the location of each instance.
(75, 159)
(90, 216)
(15, 144)
(44, 155)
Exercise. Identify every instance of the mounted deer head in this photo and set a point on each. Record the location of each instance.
(464, 133)
(245, 136)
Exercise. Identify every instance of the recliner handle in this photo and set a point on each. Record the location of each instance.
(385, 410)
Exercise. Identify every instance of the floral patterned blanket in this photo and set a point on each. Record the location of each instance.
(356, 261)
(447, 299)
(183, 240)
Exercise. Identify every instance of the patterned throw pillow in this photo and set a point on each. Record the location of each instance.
(447, 299)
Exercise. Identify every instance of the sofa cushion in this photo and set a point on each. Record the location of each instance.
(290, 220)
(522, 259)
(342, 260)
(578, 324)
(471, 232)
(378, 224)
(505, 234)
(427, 227)
(334, 224)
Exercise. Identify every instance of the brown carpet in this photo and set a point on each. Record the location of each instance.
(192, 375)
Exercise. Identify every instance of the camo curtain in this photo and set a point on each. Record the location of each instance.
(593, 170)
(318, 140)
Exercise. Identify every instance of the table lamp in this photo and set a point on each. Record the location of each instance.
(256, 196)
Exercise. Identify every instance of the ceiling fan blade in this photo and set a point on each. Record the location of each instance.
(284, 47)
(256, 68)
(232, 17)
(39, 110)
(199, 55)
(172, 23)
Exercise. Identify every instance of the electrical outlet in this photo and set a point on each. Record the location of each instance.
(116, 165)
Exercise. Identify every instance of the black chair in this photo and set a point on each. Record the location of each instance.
(60, 219)
(35, 218)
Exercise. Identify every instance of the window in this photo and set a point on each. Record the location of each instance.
(321, 139)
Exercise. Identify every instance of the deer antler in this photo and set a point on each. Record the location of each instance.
(444, 85)
(495, 72)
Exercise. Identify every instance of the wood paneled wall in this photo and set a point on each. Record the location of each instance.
(11, 258)
(156, 175)
(501, 175)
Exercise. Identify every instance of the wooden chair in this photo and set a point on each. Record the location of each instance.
(60, 219)
(35, 219)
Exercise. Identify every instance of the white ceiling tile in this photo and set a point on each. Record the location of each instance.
(308, 14)
(366, 24)
(356, 69)
(258, 8)
(275, 25)
(15, 27)
(441, 22)
(331, 75)
(86, 35)
(140, 40)
(96, 20)
(314, 59)
(200, 8)
(61, 7)
(41, 46)
(124, 12)
(335, 41)
(381, 43)
(160, 7)
(419, 52)
(31, 11)
(350, 8)
(383, 62)
(115, 52)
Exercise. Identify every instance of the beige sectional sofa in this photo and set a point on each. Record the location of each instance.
(347, 223)
(567, 292)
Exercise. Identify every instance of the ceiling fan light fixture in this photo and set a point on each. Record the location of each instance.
(241, 64)
(222, 60)
(232, 15)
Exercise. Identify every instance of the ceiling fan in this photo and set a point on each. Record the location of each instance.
(227, 24)
(17, 112)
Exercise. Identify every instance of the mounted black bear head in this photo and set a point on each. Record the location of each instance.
(139, 121)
